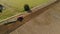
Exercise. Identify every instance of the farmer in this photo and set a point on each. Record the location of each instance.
(20, 19)
(27, 8)
(1, 8)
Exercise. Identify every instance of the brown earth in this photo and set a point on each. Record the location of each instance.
(46, 23)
